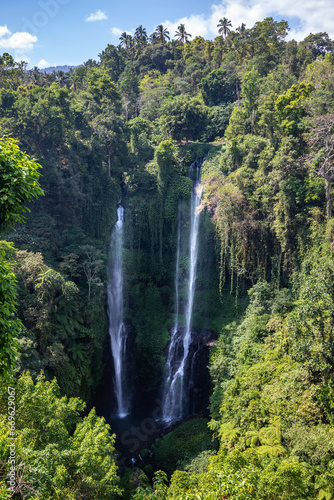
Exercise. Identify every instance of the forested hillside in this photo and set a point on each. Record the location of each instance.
(259, 111)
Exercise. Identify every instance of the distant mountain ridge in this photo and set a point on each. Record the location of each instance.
(50, 69)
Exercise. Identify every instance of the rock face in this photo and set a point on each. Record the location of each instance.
(105, 399)
(199, 377)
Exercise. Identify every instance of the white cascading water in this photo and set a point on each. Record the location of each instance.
(172, 397)
(117, 330)
(174, 393)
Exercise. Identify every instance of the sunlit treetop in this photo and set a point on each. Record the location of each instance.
(18, 182)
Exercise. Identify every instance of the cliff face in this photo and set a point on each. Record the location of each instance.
(71, 227)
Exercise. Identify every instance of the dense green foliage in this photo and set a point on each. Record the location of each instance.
(124, 127)
(18, 185)
(180, 446)
(57, 452)
(19, 182)
(8, 325)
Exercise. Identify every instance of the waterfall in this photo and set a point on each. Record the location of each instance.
(174, 397)
(172, 403)
(117, 331)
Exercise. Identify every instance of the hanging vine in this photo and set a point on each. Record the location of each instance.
(242, 235)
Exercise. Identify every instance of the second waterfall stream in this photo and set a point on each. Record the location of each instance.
(175, 396)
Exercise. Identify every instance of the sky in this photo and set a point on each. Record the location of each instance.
(58, 32)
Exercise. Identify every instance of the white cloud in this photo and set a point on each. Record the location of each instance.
(22, 57)
(310, 16)
(116, 31)
(18, 41)
(196, 25)
(4, 31)
(238, 13)
(96, 16)
(43, 64)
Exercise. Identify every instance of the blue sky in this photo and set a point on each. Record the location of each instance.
(54, 32)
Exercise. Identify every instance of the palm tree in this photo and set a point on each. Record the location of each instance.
(124, 40)
(49, 78)
(241, 30)
(35, 75)
(153, 38)
(270, 438)
(127, 42)
(224, 27)
(252, 438)
(181, 35)
(229, 434)
(161, 34)
(140, 36)
(131, 46)
(62, 78)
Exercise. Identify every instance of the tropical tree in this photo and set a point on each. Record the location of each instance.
(7, 65)
(35, 75)
(112, 61)
(290, 107)
(321, 142)
(161, 34)
(181, 35)
(7, 60)
(62, 78)
(319, 44)
(153, 39)
(250, 92)
(51, 286)
(107, 126)
(59, 454)
(219, 86)
(229, 434)
(140, 37)
(124, 40)
(18, 185)
(270, 438)
(224, 26)
(92, 266)
(128, 43)
(10, 327)
(184, 117)
(173, 45)
(241, 30)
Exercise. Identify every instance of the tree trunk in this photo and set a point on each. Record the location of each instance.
(109, 162)
(322, 173)
(252, 120)
(328, 196)
(237, 90)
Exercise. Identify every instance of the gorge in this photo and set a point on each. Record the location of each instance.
(180, 393)
(167, 304)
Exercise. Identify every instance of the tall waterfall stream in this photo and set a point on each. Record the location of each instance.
(117, 330)
(175, 390)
